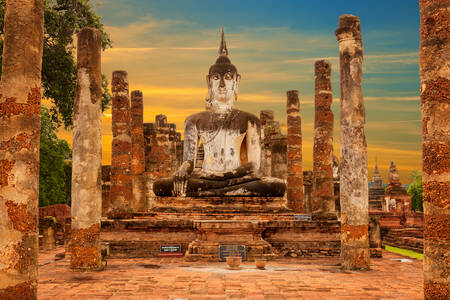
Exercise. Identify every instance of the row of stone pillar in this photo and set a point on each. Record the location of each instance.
(127, 191)
(322, 203)
(353, 175)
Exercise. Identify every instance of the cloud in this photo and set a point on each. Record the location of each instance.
(309, 60)
(412, 98)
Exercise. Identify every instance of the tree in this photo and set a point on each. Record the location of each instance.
(63, 20)
(415, 190)
(54, 178)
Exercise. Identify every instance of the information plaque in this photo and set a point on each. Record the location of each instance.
(170, 250)
(231, 250)
(302, 218)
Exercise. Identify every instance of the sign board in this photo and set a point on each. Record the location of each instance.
(302, 218)
(231, 250)
(170, 250)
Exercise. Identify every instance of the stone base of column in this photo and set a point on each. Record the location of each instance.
(25, 290)
(355, 251)
(355, 258)
(436, 290)
(436, 284)
(85, 249)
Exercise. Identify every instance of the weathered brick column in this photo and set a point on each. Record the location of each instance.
(121, 192)
(20, 104)
(138, 151)
(434, 56)
(106, 188)
(353, 178)
(86, 207)
(294, 154)
(266, 117)
(323, 196)
(173, 146)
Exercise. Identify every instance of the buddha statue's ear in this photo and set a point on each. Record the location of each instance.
(209, 96)
(236, 87)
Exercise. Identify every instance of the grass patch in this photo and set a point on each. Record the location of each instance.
(404, 252)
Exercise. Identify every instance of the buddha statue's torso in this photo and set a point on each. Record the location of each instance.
(224, 138)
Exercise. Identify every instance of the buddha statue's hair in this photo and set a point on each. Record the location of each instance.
(223, 63)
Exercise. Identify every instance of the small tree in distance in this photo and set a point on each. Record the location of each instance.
(54, 154)
(415, 190)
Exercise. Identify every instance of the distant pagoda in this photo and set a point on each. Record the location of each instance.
(376, 190)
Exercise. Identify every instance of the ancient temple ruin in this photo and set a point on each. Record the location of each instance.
(210, 195)
(254, 222)
(376, 190)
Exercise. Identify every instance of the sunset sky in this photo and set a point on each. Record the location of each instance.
(168, 46)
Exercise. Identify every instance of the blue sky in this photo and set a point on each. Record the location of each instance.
(168, 46)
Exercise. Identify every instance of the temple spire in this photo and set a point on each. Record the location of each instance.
(223, 45)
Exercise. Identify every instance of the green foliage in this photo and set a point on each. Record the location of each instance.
(53, 174)
(63, 20)
(415, 190)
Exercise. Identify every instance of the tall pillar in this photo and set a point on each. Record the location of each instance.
(20, 104)
(434, 56)
(294, 154)
(353, 178)
(121, 179)
(266, 118)
(323, 196)
(138, 151)
(86, 207)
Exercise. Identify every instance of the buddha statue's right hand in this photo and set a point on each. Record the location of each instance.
(180, 178)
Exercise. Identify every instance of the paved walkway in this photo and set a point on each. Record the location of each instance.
(392, 277)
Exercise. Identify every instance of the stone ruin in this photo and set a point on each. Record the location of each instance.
(391, 215)
(272, 227)
(201, 222)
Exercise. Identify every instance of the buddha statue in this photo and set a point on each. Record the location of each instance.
(231, 142)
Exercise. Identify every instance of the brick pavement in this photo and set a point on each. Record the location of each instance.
(173, 278)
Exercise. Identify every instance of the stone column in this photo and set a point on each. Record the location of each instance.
(106, 188)
(266, 118)
(173, 146)
(294, 153)
(20, 103)
(138, 151)
(323, 196)
(277, 147)
(121, 192)
(86, 207)
(353, 178)
(434, 56)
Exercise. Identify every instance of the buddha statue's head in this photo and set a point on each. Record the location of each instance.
(223, 80)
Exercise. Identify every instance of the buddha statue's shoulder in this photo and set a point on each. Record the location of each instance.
(194, 118)
(245, 117)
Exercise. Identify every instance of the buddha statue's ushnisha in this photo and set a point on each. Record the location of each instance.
(231, 142)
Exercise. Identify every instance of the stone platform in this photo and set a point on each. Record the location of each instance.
(200, 226)
(220, 204)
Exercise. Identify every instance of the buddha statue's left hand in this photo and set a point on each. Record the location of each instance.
(180, 178)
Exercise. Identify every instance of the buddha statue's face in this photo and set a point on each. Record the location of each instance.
(223, 88)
